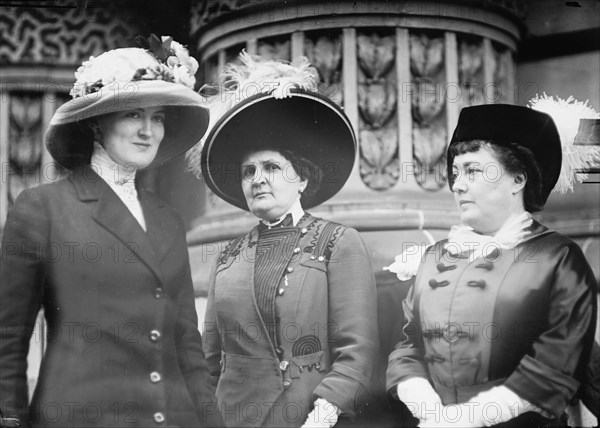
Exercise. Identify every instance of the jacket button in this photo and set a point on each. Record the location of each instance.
(158, 417)
(290, 269)
(304, 230)
(321, 258)
(159, 293)
(280, 291)
(155, 377)
(287, 383)
(279, 350)
(283, 365)
(154, 336)
(480, 284)
(296, 250)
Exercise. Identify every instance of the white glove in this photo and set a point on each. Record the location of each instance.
(496, 405)
(324, 415)
(420, 398)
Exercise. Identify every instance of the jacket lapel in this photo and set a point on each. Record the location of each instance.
(112, 214)
(161, 225)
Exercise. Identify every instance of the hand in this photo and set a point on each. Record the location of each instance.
(420, 398)
(458, 415)
(324, 415)
(9, 422)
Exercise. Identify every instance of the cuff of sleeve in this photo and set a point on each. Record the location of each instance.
(419, 396)
(347, 394)
(403, 365)
(543, 386)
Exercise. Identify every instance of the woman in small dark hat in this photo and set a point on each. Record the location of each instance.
(290, 330)
(107, 263)
(501, 317)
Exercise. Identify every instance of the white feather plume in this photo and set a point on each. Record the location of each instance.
(254, 75)
(566, 115)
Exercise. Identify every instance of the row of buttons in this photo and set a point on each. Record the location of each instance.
(154, 337)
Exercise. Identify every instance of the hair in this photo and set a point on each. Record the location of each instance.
(306, 169)
(514, 159)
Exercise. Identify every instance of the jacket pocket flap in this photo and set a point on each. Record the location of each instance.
(316, 264)
(306, 362)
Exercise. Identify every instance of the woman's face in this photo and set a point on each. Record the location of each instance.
(270, 184)
(132, 137)
(486, 194)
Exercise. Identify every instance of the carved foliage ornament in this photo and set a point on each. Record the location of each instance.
(377, 99)
(428, 108)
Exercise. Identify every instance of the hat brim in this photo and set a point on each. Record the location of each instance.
(69, 141)
(505, 123)
(305, 123)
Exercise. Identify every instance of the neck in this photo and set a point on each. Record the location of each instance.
(108, 169)
(516, 216)
(296, 211)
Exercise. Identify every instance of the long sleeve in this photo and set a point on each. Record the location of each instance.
(189, 348)
(406, 360)
(353, 325)
(21, 290)
(548, 376)
(211, 336)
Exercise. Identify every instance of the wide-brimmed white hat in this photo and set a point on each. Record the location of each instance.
(124, 79)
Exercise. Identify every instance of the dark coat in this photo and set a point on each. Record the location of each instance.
(524, 318)
(123, 345)
(326, 328)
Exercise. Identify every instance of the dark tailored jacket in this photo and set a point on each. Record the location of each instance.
(123, 344)
(327, 327)
(524, 318)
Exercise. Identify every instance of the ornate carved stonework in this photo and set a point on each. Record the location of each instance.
(324, 51)
(377, 98)
(275, 48)
(64, 35)
(470, 71)
(428, 108)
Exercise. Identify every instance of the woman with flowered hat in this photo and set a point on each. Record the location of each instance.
(108, 263)
(501, 317)
(290, 329)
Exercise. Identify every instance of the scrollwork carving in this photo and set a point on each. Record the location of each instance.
(325, 54)
(275, 49)
(428, 108)
(59, 35)
(377, 103)
(470, 72)
(379, 151)
(375, 55)
(25, 143)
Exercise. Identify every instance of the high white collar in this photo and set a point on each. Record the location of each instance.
(111, 171)
(295, 210)
(463, 239)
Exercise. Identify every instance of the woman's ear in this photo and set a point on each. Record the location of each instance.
(303, 184)
(520, 180)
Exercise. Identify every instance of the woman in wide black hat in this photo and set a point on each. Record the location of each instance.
(290, 330)
(108, 263)
(501, 317)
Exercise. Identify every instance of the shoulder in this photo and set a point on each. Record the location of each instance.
(233, 248)
(44, 194)
(329, 236)
(550, 241)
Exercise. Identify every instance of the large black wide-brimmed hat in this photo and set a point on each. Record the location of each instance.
(503, 124)
(305, 123)
(124, 79)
